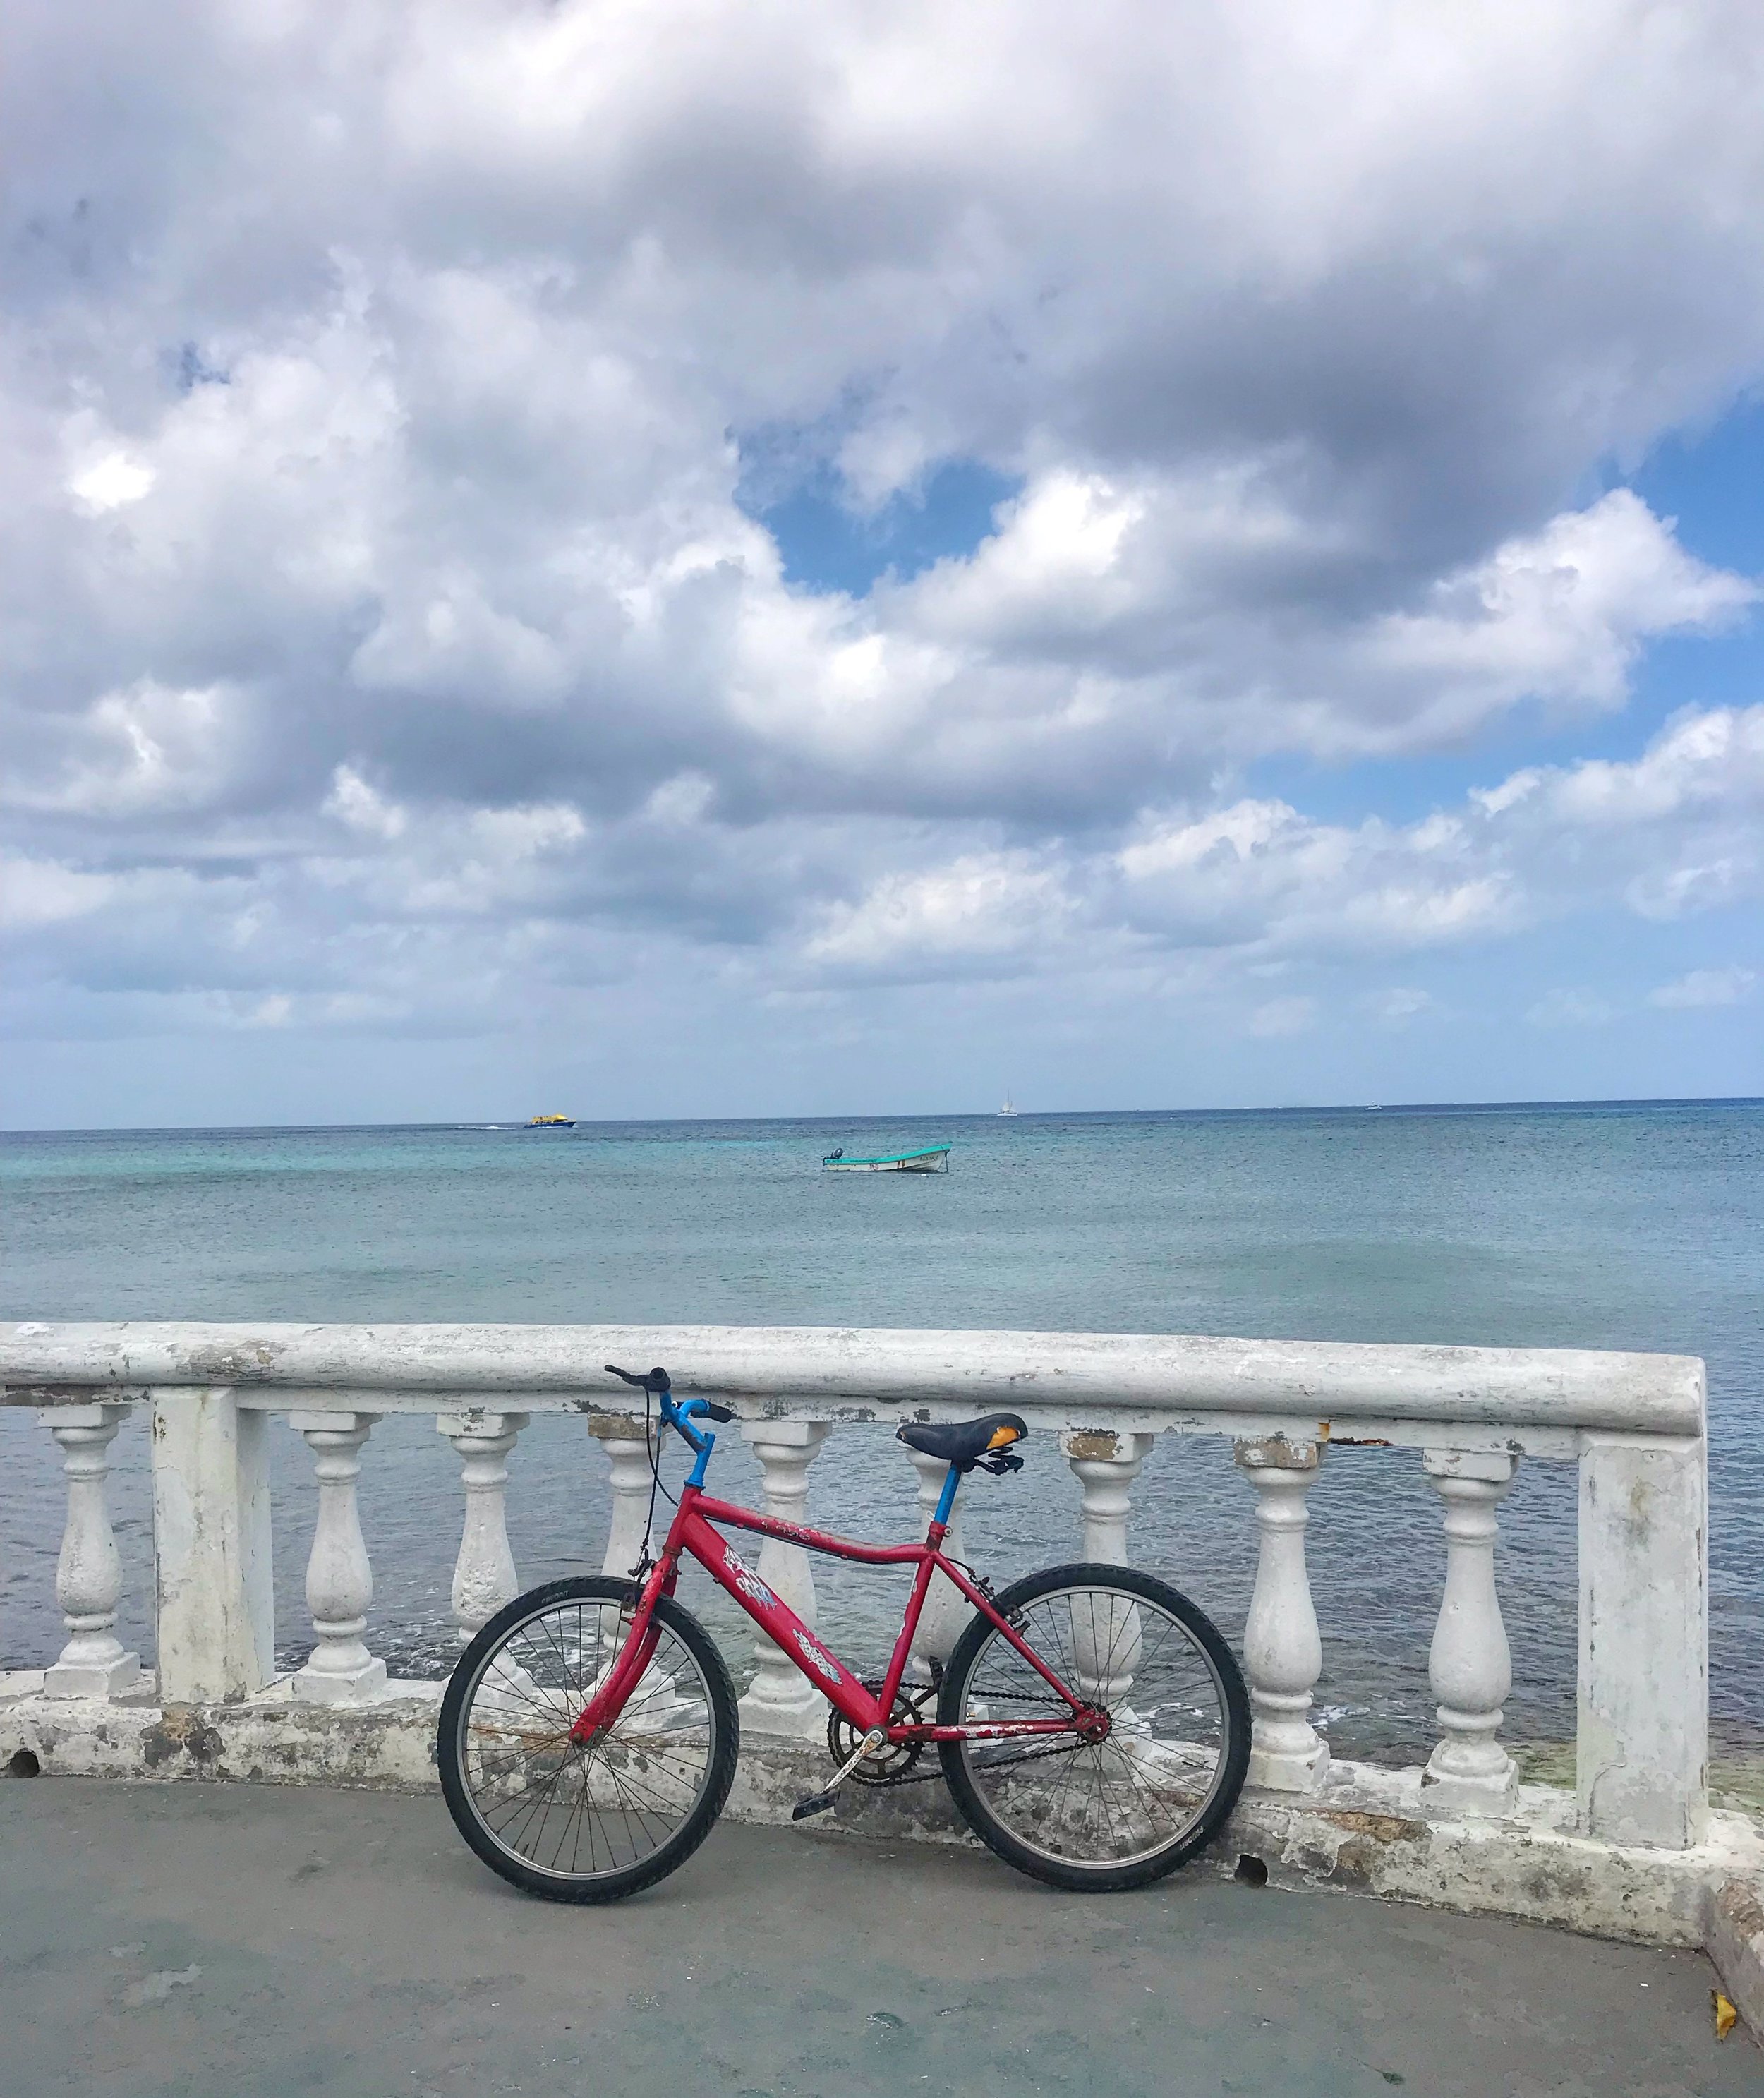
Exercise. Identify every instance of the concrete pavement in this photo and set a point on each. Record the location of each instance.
(217, 1940)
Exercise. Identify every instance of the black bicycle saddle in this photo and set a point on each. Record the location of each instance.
(967, 1443)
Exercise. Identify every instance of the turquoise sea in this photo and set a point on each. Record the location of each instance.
(1624, 1225)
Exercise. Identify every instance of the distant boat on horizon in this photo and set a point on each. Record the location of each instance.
(551, 1121)
(1009, 1107)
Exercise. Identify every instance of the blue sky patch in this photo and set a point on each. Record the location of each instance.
(827, 545)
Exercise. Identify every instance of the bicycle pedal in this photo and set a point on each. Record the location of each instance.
(818, 1802)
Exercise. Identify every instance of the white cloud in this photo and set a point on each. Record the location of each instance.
(352, 800)
(1699, 988)
(35, 892)
(1256, 877)
(109, 482)
(1561, 615)
(1397, 1007)
(1703, 759)
(1255, 866)
(683, 801)
(1284, 1015)
(1570, 1006)
(141, 750)
(980, 908)
(374, 578)
(513, 835)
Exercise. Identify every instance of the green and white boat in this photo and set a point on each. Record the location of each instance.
(934, 1160)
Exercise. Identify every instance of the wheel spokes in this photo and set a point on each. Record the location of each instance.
(564, 1807)
(1144, 1787)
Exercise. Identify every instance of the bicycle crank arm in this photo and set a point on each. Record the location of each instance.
(818, 1802)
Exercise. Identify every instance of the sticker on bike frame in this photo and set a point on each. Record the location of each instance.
(816, 1658)
(747, 1581)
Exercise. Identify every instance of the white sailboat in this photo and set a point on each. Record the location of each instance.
(1009, 1107)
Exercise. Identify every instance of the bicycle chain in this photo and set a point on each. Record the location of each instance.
(1007, 1762)
(1010, 1762)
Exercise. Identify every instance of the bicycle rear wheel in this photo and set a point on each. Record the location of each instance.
(555, 1818)
(1123, 1811)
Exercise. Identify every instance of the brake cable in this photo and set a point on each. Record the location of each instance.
(652, 1444)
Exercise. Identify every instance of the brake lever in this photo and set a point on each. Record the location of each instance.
(658, 1380)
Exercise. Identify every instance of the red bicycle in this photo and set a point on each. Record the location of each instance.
(1091, 1723)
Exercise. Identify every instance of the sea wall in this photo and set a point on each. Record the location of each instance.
(1633, 1850)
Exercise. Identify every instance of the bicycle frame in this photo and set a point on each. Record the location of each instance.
(691, 1534)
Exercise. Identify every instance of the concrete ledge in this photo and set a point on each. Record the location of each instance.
(841, 1370)
(270, 1739)
(1733, 1933)
(1368, 1830)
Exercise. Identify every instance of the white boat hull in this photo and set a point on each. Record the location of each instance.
(927, 1161)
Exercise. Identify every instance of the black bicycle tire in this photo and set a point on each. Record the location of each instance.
(670, 1855)
(972, 1804)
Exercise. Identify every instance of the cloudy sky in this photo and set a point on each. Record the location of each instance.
(679, 557)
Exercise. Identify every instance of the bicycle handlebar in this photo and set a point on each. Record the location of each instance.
(656, 1381)
(676, 1411)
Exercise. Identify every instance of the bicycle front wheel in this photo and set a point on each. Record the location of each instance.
(576, 1824)
(1124, 1811)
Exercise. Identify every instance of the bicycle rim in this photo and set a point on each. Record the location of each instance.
(1142, 1793)
(570, 1814)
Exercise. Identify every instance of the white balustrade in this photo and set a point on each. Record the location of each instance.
(484, 1574)
(1282, 1647)
(1634, 1426)
(340, 1580)
(780, 1699)
(89, 1573)
(1469, 1666)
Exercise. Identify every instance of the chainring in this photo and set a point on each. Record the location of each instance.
(890, 1765)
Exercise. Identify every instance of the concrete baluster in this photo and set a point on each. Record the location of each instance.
(340, 1580)
(1469, 1666)
(628, 1455)
(484, 1574)
(947, 1610)
(1283, 1648)
(780, 1699)
(88, 1574)
(1105, 1465)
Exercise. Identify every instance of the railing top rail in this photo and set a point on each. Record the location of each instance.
(1183, 1373)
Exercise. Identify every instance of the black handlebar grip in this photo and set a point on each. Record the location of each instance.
(717, 1412)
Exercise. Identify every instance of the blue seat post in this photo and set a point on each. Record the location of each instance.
(946, 1498)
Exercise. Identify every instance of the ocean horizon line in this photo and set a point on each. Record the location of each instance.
(487, 1122)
